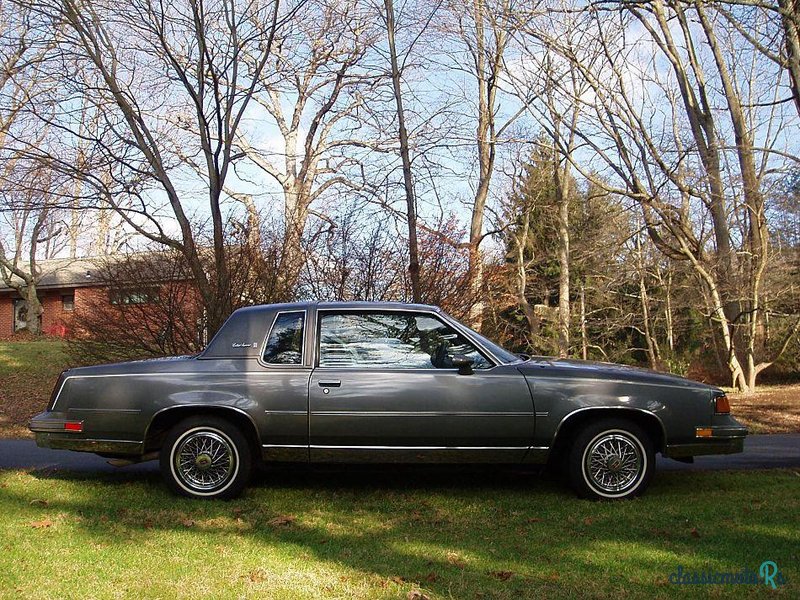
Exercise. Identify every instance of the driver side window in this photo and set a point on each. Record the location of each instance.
(401, 340)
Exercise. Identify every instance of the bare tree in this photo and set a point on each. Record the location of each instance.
(28, 215)
(773, 29)
(169, 81)
(675, 162)
(36, 231)
(316, 95)
(482, 28)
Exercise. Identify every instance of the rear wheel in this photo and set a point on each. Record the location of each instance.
(611, 459)
(206, 457)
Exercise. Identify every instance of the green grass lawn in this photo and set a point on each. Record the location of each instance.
(28, 372)
(460, 533)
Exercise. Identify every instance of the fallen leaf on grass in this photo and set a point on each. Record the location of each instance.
(187, 523)
(281, 520)
(257, 576)
(694, 532)
(42, 524)
(431, 577)
(397, 579)
(455, 560)
(502, 575)
(417, 595)
(588, 521)
(39, 502)
(534, 520)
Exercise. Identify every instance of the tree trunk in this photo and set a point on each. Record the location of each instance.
(296, 211)
(584, 337)
(485, 139)
(563, 259)
(668, 314)
(33, 322)
(652, 345)
(790, 14)
(522, 280)
(413, 251)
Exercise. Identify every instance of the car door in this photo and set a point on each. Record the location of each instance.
(383, 390)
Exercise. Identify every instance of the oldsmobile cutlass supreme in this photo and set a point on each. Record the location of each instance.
(357, 382)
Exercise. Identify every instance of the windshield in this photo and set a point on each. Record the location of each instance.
(501, 353)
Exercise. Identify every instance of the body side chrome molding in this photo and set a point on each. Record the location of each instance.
(133, 411)
(335, 447)
(303, 446)
(404, 413)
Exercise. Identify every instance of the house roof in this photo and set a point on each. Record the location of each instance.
(64, 273)
(58, 273)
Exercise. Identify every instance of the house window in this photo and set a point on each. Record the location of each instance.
(68, 302)
(20, 314)
(134, 296)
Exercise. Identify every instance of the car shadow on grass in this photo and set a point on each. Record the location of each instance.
(458, 531)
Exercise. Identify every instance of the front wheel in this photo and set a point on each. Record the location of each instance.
(206, 457)
(611, 459)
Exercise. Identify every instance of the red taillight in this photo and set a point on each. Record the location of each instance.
(722, 406)
(73, 426)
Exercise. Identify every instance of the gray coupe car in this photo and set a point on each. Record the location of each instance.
(380, 382)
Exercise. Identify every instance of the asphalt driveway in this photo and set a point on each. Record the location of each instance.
(778, 451)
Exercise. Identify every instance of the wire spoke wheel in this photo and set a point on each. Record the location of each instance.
(614, 462)
(204, 460)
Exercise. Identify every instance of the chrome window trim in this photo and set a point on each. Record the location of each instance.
(304, 356)
(438, 315)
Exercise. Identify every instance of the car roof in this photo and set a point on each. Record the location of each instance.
(340, 305)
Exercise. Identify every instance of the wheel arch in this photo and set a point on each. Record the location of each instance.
(573, 422)
(166, 418)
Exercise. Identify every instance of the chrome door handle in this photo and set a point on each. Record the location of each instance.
(334, 383)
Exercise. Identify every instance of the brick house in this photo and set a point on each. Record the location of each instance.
(65, 284)
(102, 287)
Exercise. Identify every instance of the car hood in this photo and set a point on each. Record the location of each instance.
(607, 371)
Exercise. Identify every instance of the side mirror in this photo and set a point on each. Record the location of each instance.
(463, 363)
